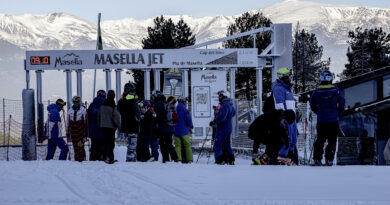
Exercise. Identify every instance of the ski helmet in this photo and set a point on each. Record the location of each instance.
(76, 99)
(182, 99)
(222, 94)
(60, 102)
(101, 93)
(156, 93)
(326, 76)
(129, 88)
(283, 72)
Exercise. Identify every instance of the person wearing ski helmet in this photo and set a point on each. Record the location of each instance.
(109, 121)
(95, 132)
(182, 132)
(53, 130)
(284, 100)
(327, 102)
(130, 118)
(222, 146)
(146, 129)
(77, 128)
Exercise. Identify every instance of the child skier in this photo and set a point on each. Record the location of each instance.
(53, 131)
(146, 129)
(270, 129)
(76, 128)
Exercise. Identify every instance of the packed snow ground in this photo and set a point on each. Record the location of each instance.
(69, 182)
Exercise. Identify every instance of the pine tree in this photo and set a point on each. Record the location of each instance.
(368, 50)
(307, 60)
(246, 77)
(165, 34)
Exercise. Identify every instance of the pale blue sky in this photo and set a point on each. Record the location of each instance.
(118, 9)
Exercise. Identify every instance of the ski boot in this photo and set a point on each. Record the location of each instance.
(281, 160)
(255, 159)
(329, 163)
(317, 162)
(220, 160)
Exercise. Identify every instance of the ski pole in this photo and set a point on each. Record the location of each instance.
(66, 130)
(204, 142)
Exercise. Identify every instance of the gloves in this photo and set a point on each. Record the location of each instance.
(212, 123)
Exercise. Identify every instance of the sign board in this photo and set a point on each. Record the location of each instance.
(205, 85)
(140, 59)
(173, 82)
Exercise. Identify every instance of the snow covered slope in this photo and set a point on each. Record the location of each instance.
(69, 182)
(330, 23)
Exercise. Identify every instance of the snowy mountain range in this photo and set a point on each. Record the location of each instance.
(330, 23)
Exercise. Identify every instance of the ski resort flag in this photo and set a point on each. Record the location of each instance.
(99, 44)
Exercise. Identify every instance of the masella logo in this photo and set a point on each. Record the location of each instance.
(209, 77)
(68, 59)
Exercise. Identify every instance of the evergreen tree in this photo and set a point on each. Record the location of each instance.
(165, 34)
(368, 50)
(307, 60)
(246, 77)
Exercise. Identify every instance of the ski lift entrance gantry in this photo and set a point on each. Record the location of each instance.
(277, 54)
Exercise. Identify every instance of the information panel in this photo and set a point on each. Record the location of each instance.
(205, 85)
(140, 59)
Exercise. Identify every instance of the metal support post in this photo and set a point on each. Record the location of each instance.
(259, 85)
(68, 88)
(40, 118)
(281, 37)
(118, 84)
(108, 79)
(157, 79)
(232, 79)
(79, 83)
(147, 84)
(4, 121)
(185, 82)
(27, 76)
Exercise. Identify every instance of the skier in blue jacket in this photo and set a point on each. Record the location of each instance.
(182, 131)
(327, 102)
(95, 133)
(222, 146)
(284, 100)
(53, 130)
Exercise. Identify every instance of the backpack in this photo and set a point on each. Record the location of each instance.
(269, 103)
(171, 115)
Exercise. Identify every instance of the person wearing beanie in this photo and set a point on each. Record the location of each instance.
(109, 120)
(95, 132)
(327, 102)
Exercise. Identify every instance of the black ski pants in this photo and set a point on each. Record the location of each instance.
(326, 131)
(166, 147)
(97, 147)
(109, 143)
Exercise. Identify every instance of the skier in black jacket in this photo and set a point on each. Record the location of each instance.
(270, 129)
(130, 118)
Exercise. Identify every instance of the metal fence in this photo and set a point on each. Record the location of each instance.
(11, 118)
